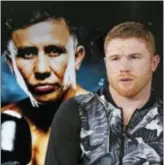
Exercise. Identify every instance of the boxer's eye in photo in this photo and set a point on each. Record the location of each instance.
(54, 51)
(27, 52)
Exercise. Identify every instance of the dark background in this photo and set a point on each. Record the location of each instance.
(93, 20)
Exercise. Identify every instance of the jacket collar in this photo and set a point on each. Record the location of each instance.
(109, 98)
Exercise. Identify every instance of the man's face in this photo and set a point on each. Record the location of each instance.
(129, 66)
(42, 58)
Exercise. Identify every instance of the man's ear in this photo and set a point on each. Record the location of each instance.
(80, 54)
(155, 62)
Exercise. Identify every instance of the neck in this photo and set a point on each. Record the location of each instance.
(130, 104)
(42, 116)
(70, 93)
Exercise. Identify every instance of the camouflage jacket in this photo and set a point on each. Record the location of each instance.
(106, 141)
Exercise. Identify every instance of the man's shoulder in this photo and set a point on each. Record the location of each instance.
(159, 105)
(13, 107)
(17, 106)
(87, 96)
(81, 91)
(160, 102)
(83, 97)
(74, 103)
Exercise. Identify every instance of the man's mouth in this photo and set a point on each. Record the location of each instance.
(126, 79)
(45, 88)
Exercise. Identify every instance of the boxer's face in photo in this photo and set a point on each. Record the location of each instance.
(42, 58)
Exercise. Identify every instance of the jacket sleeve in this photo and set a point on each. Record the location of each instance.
(64, 142)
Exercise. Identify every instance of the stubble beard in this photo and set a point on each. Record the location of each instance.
(133, 89)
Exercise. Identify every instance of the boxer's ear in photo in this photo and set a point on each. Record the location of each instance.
(80, 54)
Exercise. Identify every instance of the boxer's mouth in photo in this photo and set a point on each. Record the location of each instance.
(45, 88)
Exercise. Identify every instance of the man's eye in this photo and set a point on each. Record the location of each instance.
(114, 58)
(28, 55)
(27, 52)
(134, 57)
(54, 51)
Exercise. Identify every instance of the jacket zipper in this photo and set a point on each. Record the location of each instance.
(123, 127)
(124, 130)
(122, 138)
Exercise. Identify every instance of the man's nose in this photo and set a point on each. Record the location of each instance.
(125, 65)
(42, 69)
